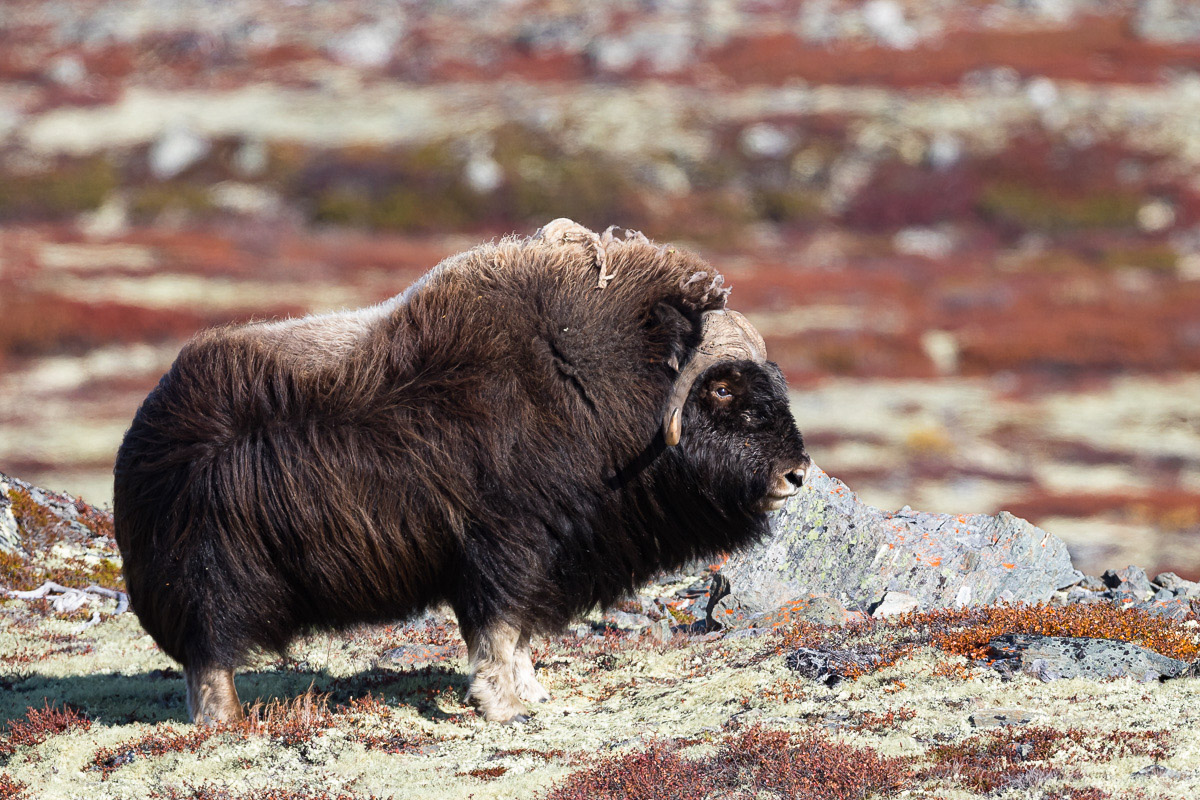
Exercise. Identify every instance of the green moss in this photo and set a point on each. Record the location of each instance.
(1040, 208)
(150, 201)
(64, 190)
(1158, 258)
(546, 180)
(786, 205)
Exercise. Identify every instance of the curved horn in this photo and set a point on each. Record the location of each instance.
(725, 335)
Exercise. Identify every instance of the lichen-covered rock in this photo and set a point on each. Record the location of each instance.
(62, 511)
(1055, 657)
(725, 611)
(827, 542)
(10, 534)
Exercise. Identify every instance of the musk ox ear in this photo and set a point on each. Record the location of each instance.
(725, 335)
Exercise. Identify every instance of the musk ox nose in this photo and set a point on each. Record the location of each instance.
(796, 476)
(785, 485)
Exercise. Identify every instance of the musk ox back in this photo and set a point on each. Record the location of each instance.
(533, 428)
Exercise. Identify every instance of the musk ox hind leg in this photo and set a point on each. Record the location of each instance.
(492, 685)
(529, 688)
(211, 696)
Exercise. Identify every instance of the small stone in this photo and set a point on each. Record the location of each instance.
(626, 621)
(368, 46)
(1157, 771)
(1092, 584)
(1177, 585)
(894, 603)
(176, 150)
(885, 20)
(1131, 579)
(483, 173)
(1171, 607)
(765, 140)
(831, 667)
(999, 717)
(67, 70)
(1077, 594)
(661, 631)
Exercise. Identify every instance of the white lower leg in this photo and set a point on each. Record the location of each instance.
(492, 687)
(211, 696)
(529, 688)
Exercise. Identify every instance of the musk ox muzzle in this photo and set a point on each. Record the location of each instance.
(534, 428)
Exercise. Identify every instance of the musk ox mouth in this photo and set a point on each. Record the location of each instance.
(784, 486)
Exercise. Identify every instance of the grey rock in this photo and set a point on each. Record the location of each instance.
(1131, 579)
(63, 506)
(368, 46)
(1171, 582)
(177, 149)
(1176, 608)
(626, 621)
(894, 603)
(827, 542)
(10, 534)
(1054, 657)
(661, 631)
(1092, 584)
(724, 610)
(1079, 595)
(1157, 771)
(1168, 580)
(999, 717)
(833, 666)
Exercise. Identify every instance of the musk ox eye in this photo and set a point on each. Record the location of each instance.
(722, 392)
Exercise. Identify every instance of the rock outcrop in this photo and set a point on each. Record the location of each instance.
(826, 542)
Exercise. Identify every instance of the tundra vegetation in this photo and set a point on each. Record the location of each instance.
(378, 711)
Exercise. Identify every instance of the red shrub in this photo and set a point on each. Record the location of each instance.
(12, 789)
(801, 765)
(39, 725)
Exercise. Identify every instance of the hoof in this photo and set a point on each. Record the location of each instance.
(518, 719)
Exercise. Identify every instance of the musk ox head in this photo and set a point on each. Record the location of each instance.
(728, 413)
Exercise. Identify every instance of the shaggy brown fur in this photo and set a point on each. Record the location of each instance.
(490, 438)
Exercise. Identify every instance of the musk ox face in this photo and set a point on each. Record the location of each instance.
(740, 437)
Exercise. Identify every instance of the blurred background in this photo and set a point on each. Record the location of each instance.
(970, 231)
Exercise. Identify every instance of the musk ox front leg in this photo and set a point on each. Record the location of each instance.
(493, 686)
(529, 688)
(211, 695)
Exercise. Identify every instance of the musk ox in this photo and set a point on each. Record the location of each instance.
(533, 428)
